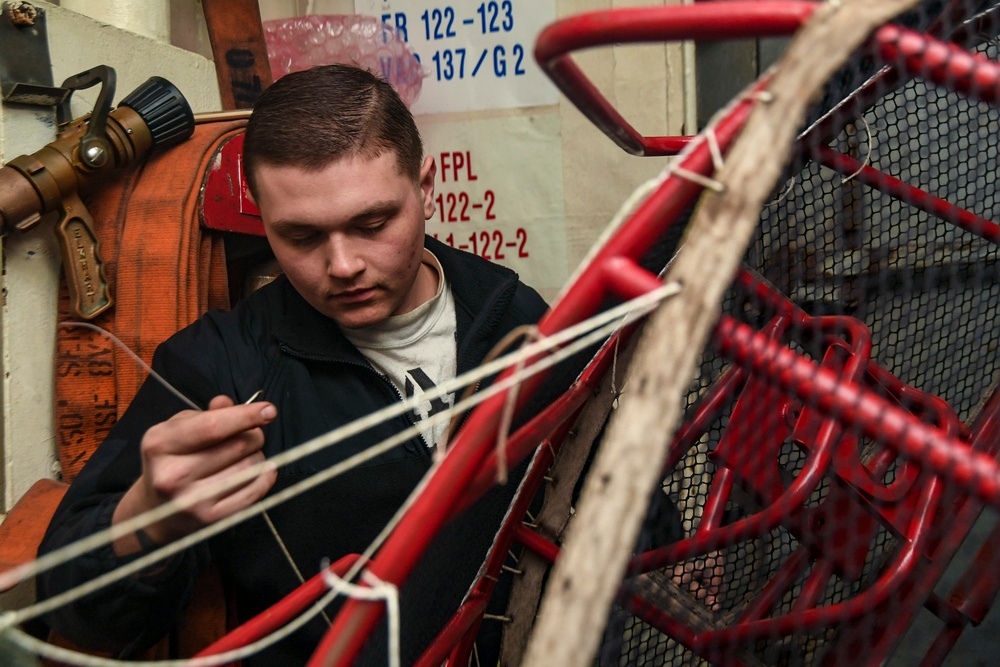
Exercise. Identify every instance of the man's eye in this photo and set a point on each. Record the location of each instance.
(373, 228)
(303, 239)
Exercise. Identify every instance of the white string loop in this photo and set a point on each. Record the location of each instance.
(713, 148)
(868, 153)
(787, 190)
(375, 591)
(698, 179)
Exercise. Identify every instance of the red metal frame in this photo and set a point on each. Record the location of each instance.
(847, 393)
(279, 614)
(704, 21)
(944, 64)
(916, 197)
(855, 499)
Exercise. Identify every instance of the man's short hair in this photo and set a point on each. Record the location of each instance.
(312, 118)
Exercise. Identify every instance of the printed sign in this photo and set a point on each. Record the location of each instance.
(499, 193)
(475, 55)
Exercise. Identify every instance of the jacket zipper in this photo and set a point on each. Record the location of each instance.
(407, 416)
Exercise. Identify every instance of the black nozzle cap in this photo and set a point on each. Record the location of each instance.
(166, 112)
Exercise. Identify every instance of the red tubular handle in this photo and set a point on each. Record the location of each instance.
(943, 63)
(703, 21)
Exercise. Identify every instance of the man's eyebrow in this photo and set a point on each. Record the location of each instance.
(380, 209)
(376, 211)
(291, 225)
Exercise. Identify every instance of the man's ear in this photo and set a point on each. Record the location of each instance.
(427, 173)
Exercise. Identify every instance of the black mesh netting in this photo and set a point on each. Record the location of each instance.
(837, 575)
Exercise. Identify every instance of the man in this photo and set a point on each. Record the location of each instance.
(369, 309)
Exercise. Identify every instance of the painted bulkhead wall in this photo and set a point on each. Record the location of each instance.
(553, 175)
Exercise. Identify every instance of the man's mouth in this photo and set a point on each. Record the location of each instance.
(354, 295)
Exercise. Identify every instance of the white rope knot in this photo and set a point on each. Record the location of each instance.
(375, 591)
(713, 148)
(695, 177)
(708, 136)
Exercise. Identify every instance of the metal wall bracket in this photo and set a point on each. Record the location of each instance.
(25, 65)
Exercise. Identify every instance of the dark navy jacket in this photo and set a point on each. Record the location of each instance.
(275, 341)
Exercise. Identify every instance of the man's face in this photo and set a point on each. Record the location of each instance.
(350, 236)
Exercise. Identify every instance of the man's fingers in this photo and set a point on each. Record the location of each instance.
(180, 471)
(245, 496)
(224, 478)
(232, 498)
(221, 401)
(193, 431)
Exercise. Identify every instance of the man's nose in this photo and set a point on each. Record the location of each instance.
(342, 259)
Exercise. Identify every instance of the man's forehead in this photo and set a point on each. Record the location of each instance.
(345, 190)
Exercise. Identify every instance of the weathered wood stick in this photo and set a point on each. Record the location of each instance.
(599, 541)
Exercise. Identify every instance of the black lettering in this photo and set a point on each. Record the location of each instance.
(240, 58)
(425, 383)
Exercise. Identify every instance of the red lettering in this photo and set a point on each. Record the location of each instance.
(444, 167)
(457, 162)
(468, 167)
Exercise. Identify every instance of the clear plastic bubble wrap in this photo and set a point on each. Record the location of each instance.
(300, 43)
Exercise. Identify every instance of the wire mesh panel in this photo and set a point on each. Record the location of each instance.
(798, 535)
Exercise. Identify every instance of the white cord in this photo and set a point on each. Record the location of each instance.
(640, 306)
(868, 154)
(142, 364)
(376, 590)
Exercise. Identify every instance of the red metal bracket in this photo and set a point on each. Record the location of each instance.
(225, 199)
(702, 21)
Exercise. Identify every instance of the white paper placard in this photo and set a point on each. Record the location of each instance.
(476, 54)
(499, 192)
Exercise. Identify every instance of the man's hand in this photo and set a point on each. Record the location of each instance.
(192, 451)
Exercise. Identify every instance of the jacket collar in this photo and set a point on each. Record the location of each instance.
(308, 333)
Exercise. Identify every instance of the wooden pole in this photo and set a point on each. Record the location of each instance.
(599, 540)
(238, 48)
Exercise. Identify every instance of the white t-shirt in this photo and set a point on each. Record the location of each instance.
(416, 350)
